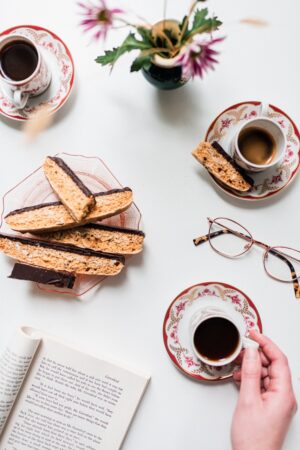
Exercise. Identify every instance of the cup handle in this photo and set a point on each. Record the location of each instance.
(264, 109)
(249, 343)
(20, 99)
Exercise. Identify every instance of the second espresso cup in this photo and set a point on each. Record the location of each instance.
(23, 70)
(218, 334)
(258, 145)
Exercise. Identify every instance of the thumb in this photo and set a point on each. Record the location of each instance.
(251, 376)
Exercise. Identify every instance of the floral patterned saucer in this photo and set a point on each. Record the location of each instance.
(176, 326)
(60, 62)
(271, 182)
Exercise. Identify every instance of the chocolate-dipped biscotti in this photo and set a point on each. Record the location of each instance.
(71, 191)
(43, 276)
(101, 238)
(214, 158)
(54, 216)
(61, 257)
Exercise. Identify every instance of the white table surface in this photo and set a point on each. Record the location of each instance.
(146, 137)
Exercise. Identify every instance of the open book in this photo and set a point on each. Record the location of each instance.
(53, 397)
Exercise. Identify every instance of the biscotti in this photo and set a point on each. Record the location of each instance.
(54, 216)
(101, 238)
(43, 276)
(222, 166)
(71, 191)
(61, 257)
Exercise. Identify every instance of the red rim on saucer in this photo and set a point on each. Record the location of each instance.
(269, 183)
(59, 58)
(176, 333)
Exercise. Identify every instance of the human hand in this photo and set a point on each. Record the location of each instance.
(266, 402)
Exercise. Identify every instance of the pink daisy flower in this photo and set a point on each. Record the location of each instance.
(198, 57)
(99, 17)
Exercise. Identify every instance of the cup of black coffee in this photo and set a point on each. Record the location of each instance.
(259, 144)
(23, 71)
(218, 334)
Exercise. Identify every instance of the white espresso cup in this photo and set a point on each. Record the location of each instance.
(223, 310)
(19, 91)
(271, 128)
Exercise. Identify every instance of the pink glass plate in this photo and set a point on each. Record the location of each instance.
(35, 189)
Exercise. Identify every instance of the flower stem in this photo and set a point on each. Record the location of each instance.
(152, 51)
(201, 30)
(129, 24)
(187, 19)
(165, 9)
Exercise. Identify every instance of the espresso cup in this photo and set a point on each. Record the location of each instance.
(258, 145)
(218, 333)
(23, 70)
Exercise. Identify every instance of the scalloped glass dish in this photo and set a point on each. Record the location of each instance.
(35, 189)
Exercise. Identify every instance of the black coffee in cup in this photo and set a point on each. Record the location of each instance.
(18, 60)
(216, 338)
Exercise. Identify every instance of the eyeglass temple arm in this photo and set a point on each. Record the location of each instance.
(201, 239)
(292, 270)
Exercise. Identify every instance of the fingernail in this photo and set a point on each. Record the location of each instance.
(251, 353)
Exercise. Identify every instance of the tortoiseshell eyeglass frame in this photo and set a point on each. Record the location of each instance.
(277, 251)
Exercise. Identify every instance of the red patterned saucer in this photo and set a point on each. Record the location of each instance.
(272, 181)
(176, 326)
(35, 189)
(60, 62)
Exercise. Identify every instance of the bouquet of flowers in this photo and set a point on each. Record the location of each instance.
(187, 43)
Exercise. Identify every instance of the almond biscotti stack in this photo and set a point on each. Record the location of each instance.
(68, 241)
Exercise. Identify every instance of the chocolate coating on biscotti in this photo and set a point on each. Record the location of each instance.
(45, 205)
(100, 238)
(54, 216)
(43, 276)
(220, 166)
(62, 247)
(99, 226)
(239, 169)
(61, 163)
(61, 257)
(71, 191)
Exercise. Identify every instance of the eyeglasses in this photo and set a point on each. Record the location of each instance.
(234, 240)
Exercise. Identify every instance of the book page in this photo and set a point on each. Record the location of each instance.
(14, 364)
(73, 401)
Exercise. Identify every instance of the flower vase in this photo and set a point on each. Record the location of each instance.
(163, 72)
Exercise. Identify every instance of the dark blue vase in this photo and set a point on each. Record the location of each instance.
(165, 78)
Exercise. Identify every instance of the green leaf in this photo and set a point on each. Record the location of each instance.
(108, 58)
(181, 25)
(200, 18)
(129, 44)
(146, 35)
(140, 62)
(202, 24)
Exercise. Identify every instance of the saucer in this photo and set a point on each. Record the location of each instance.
(60, 62)
(272, 181)
(35, 189)
(177, 322)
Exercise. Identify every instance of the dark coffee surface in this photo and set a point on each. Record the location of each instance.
(216, 338)
(257, 146)
(18, 60)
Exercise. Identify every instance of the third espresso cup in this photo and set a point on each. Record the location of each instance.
(218, 334)
(258, 145)
(23, 71)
